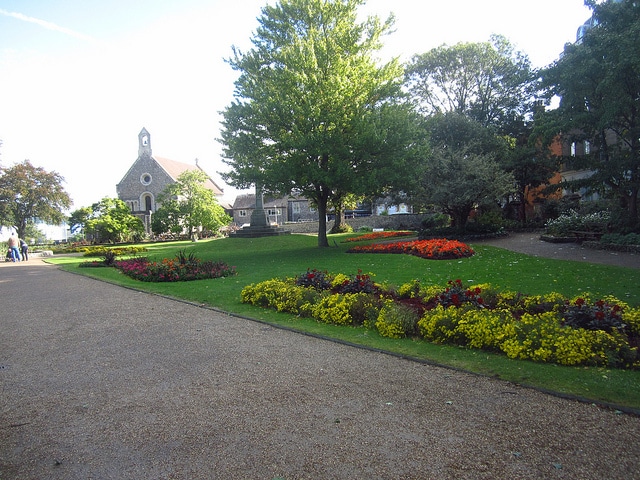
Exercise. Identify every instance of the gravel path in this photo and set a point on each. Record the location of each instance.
(102, 382)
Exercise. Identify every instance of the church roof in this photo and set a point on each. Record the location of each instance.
(175, 168)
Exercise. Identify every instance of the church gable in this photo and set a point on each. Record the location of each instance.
(149, 176)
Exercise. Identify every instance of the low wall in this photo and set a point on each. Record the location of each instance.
(405, 221)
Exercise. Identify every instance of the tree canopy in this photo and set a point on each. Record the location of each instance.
(598, 82)
(27, 193)
(489, 82)
(188, 205)
(111, 220)
(461, 172)
(314, 112)
(493, 85)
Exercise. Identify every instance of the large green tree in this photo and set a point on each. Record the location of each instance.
(112, 221)
(461, 173)
(314, 111)
(598, 82)
(189, 205)
(27, 193)
(493, 84)
(490, 82)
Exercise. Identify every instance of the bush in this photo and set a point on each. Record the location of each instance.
(620, 239)
(101, 251)
(314, 278)
(396, 320)
(182, 268)
(435, 221)
(544, 328)
(342, 228)
(337, 309)
(573, 221)
(360, 283)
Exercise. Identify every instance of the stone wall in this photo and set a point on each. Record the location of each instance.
(387, 222)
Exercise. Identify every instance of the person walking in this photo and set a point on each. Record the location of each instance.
(24, 250)
(14, 243)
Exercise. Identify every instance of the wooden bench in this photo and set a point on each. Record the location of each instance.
(586, 235)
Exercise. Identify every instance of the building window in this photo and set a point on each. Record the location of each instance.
(295, 207)
(573, 149)
(273, 211)
(587, 147)
(145, 179)
(242, 213)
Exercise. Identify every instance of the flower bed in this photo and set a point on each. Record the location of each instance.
(435, 249)
(181, 268)
(544, 328)
(380, 236)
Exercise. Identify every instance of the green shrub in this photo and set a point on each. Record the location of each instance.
(336, 309)
(343, 228)
(542, 328)
(619, 239)
(573, 221)
(396, 320)
(435, 220)
(101, 251)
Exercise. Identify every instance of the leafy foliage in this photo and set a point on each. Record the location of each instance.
(189, 204)
(462, 171)
(547, 328)
(574, 221)
(111, 220)
(599, 86)
(597, 316)
(315, 279)
(28, 192)
(314, 112)
(489, 82)
(180, 269)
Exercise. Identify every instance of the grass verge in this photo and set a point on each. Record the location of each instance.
(264, 258)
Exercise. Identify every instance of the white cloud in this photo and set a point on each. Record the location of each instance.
(48, 25)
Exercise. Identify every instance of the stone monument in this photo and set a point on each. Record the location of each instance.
(259, 223)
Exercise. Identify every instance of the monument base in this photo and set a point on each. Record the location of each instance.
(259, 231)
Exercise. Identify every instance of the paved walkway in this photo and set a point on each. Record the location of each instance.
(531, 244)
(103, 382)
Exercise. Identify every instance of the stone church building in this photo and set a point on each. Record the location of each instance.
(148, 177)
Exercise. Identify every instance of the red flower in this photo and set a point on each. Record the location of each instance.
(437, 249)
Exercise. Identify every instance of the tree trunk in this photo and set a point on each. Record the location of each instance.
(460, 215)
(523, 206)
(322, 222)
(339, 220)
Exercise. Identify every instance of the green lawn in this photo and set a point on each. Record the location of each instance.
(264, 258)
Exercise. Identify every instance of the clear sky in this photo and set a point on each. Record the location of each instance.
(79, 79)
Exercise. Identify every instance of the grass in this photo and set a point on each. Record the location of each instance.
(264, 258)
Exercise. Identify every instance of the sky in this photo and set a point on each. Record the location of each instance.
(79, 79)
